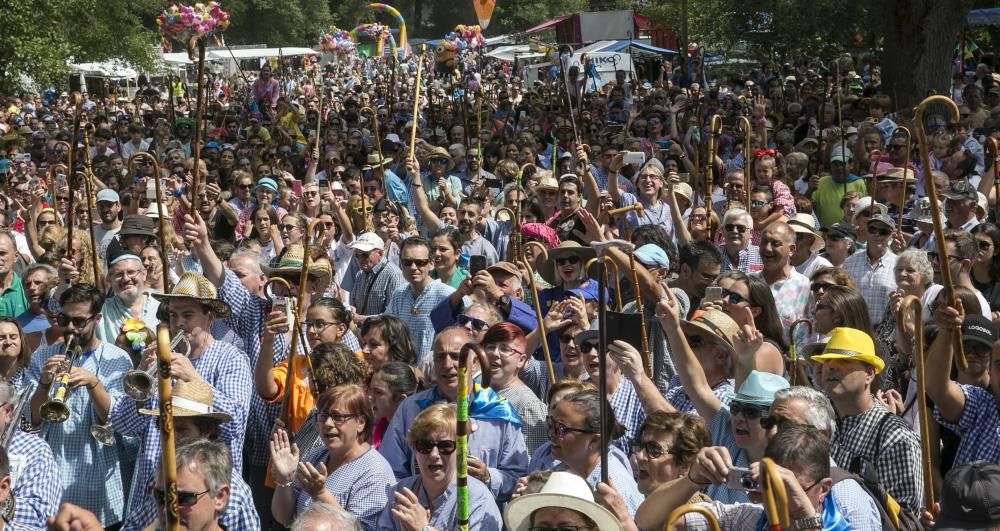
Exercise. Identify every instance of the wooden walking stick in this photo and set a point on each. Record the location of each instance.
(793, 353)
(925, 159)
(88, 189)
(602, 355)
(168, 459)
(378, 142)
(873, 160)
(775, 497)
(993, 151)
(840, 121)
(416, 102)
(744, 124)
(911, 307)
(196, 141)
(714, 131)
(647, 358)
(164, 260)
(462, 432)
(677, 513)
(539, 316)
(71, 172)
(616, 279)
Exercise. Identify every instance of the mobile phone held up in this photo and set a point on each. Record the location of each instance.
(477, 263)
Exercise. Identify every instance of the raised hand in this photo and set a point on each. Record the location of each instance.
(284, 457)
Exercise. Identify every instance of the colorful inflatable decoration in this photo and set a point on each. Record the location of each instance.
(337, 42)
(190, 23)
(391, 11)
(365, 35)
(484, 11)
(463, 38)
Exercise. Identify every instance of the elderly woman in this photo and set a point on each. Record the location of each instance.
(429, 499)
(345, 471)
(914, 274)
(565, 502)
(666, 447)
(840, 243)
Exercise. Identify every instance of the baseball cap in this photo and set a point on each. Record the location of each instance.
(841, 230)
(960, 190)
(864, 204)
(841, 154)
(393, 137)
(970, 498)
(979, 329)
(851, 344)
(367, 242)
(108, 196)
(884, 219)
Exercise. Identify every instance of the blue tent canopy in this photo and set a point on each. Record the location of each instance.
(983, 17)
(622, 45)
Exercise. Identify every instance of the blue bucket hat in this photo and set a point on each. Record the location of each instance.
(652, 255)
(759, 388)
(268, 183)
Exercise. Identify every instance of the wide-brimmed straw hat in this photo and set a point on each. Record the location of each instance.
(568, 247)
(440, 152)
(714, 325)
(290, 264)
(563, 490)
(803, 223)
(191, 399)
(196, 287)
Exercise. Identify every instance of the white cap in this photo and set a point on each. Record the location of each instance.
(366, 242)
(156, 210)
(394, 138)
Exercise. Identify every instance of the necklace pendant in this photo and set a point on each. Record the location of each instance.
(414, 311)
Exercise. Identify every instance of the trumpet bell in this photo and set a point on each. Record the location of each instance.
(53, 411)
(138, 385)
(104, 434)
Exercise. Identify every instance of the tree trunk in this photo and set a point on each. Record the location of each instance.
(919, 43)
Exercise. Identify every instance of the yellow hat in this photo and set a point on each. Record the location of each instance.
(851, 344)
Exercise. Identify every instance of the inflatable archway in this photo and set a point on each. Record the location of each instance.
(393, 12)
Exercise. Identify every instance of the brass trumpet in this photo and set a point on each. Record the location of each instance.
(103, 433)
(55, 409)
(138, 384)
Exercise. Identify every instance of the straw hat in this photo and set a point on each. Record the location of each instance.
(714, 325)
(191, 399)
(548, 269)
(440, 152)
(563, 490)
(547, 183)
(290, 265)
(375, 161)
(196, 287)
(803, 223)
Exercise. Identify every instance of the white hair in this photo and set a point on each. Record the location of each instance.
(820, 415)
(325, 517)
(738, 214)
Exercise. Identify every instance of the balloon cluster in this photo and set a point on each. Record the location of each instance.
(374, 31)
(135, 333)
(463, 38)
(337, 41)
(190, 23)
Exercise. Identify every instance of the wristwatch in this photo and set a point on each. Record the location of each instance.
(813, 522)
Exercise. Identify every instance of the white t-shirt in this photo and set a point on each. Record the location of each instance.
(932, 293)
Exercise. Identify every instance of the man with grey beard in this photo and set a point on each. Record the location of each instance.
(129, 298)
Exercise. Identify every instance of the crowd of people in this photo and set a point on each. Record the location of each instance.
(491, 228)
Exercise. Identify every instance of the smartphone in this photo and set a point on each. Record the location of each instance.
(634, 158)
(741, 479)
(713, 293)
(477, 263)
(151, 190)
(60, 180)
(664, 144)
(493, 183)
(297, 188)
(324, 186)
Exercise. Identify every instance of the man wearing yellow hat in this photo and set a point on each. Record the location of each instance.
(866, 431)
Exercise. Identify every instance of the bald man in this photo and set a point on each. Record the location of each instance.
(789, 287)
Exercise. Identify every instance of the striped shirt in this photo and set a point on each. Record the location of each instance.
(34, 477)
(372, 289)
(483, 511)
(361, 486)
(978, 427)
(415, 312)
(84, 462)
(532, 412)
(890, 445)
(874, 282)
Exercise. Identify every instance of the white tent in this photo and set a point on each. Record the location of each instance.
(509, 53)
(113, 69)
(223, 54)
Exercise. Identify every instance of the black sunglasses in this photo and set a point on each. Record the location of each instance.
(426, 446)
(748, 411)
(477, 324)
(820, 286)
(184, 498)
(730, 227)
(79, 322)
(879, 232)
(653, 449)
(568, 260)
(734, 298)
(419, 262)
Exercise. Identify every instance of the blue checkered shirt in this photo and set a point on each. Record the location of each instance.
(874, 283)
(224, 368)
(749, 260)
(679, 399)
(83, 462)
(361, 486)
(721, 427)
(415, 312)
(618, 473)
(628, 412)
(372, 289)
(34, 478)
(483, 511)
(979, 427)
(247, 319)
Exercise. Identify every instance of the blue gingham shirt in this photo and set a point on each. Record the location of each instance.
(224, 368)
(361, 486)
(34, 478)
(415, 312)
(483, 511)
(721, 427)
(372, 289)
(628, 412)
(83, 462)
(874, 282)
(498, 444)
(749, 260)
(542, 458)
(678, 398)
(978, 427)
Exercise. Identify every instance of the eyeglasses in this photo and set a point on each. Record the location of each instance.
(42, 223)
(933, 257)
(756, 204)
(426, 446)
(122, 275)
(879, 232)
(566, 338)
(79, 322)
(505, 350)
(730, 227)
(748, 411)
(318, 325)
(367, 209)
(733, 297)
(288, 226)
(337, 418)
(440, 356)
(477, 324)
(652, 449)
(419, 262)
(821, 286)
(363, 257)
(561, 429)
(568, 260)
(184, 498)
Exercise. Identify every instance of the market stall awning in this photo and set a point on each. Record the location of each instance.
(983, 17)
(508, 53)
(624, 46)
(108, 69)
(549, 24)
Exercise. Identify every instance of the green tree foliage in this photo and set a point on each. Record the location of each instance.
(277, 22)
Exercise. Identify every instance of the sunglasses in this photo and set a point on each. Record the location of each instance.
(288, 226)
(568, 260)
(733, 297)
(561, 429)
(79, 322)
(730, 227)
(439, 161)
(477, 324)
(772, 421)
(367, 209)
(879, 232)
(757, 204)
(419, 262)
(426, 446)
(588, 347)
(652, 449)
(748, 411)
(184, 498)
(310, 194)
(933, 257)
(820, 286)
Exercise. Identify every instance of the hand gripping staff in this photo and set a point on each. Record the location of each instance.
(925, 159)
(462, 430)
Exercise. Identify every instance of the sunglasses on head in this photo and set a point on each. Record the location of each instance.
(568, 260)
(477, 324)
(184, 498)
(748, 411)
(426, 446)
